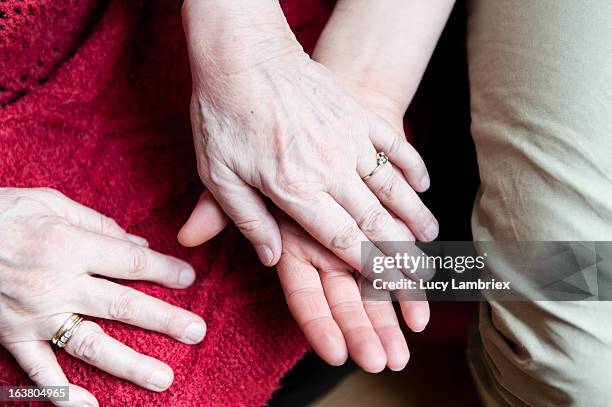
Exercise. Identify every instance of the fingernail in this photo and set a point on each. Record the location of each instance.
(420, 325)
(265, 254)
(425, 182)
(431, 232)
(186, 278)
(195, 332)
(397, 368)
(160, 380)
(140, 241)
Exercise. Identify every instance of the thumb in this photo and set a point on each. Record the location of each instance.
(205, 222)
(245, 206)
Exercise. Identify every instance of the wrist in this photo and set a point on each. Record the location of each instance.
(229, 37)
(382, 47)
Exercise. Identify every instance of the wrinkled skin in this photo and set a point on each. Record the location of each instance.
(54, 257)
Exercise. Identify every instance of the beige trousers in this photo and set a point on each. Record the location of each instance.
(541, 96)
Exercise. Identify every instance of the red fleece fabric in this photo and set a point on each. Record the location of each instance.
(94, 102)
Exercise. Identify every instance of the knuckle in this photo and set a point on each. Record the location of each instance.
(89, 347)
(416, 167)
(166, 323)
(38, 372)
(249, 226)
(55, 228)
(24, 288)
(396, 145)
(375, 221)
(345, 237)
(54, 237)
(108, 225)
(296, 181)
(38, 286)
(138, 262)
(212, 174)
(288, 180)
(334, 271)
(358, 331)
(302, 294)
(307, 302)
(347, 307)
(388, 189)
(123, 307)
(299, 189)
(379, 313)
(50, 191)
(170, 268)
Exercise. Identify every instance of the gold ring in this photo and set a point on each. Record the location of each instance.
(67, 330)
(381, 159)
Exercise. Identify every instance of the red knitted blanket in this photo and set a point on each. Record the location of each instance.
(94, 102)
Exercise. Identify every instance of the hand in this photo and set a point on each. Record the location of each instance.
(54, 257)
(285, 128)
(324, 297)
(320, 289)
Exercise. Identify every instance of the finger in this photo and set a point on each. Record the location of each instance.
(329, 223)
(401, 153)
(245, 207)
(91, 345)
(413, 301)
(116, 258)
(416, 314)
(39, 362)
(344, 300)
(104, 299)
(395, 194)
(373, 219)
(88, 219)
(307, 303)
(205, 222)
(383, 317)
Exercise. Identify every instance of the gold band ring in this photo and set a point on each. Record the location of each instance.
(381, 159)
(67, 330)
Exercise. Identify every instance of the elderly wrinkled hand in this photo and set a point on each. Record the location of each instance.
(280, 125)
(55, 258)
